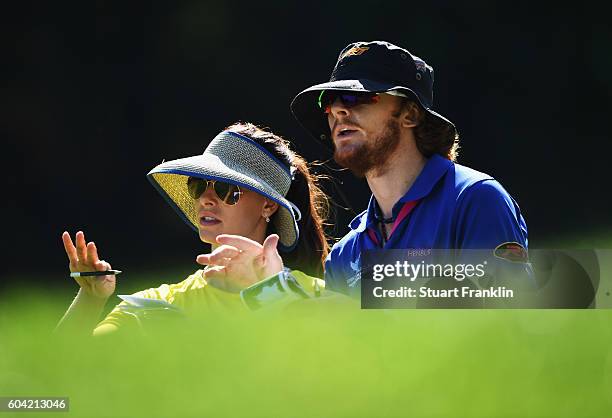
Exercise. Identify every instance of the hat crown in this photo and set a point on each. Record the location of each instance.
(247, 157)
(386, 63)
(376, 67)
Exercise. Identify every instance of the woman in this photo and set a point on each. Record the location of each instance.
(248, 183)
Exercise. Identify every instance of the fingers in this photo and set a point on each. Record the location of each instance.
(81, 247)
(102, 265)
(82, 256)
(241, 243)
(217, 272)
(219, 256)
(215, 276)
(269, 245)
(70, 249)
(222, 261)
(273, 260)
(92, 253)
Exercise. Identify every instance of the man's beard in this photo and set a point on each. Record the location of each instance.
(372, 155)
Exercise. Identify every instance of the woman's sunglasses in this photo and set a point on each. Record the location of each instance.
(226, 192)
(328, 97)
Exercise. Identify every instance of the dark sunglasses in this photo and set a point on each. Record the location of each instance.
(226, 192)
(348, 99)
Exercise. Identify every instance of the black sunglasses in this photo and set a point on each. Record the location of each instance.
(226, 192)
(348, 99)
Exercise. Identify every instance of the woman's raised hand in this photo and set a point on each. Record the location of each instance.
(240, 262)
(84, 257)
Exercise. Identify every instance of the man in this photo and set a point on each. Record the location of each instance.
(376, 111)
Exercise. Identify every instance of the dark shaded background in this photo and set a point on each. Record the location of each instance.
(93, 98)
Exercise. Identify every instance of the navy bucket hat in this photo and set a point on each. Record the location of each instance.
(375, 67)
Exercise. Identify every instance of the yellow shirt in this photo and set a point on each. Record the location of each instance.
(192, 295)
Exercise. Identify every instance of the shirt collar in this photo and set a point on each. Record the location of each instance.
(434, 169)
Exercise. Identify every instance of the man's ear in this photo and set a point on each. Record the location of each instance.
(269, 208)
(411, 115)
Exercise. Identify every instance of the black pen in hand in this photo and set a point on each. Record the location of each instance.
(95, 273)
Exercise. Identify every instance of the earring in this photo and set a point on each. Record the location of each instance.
(267, 219)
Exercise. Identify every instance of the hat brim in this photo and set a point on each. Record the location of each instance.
(170, 179)
(305, 110)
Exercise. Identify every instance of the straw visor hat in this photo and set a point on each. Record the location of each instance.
(236, 159)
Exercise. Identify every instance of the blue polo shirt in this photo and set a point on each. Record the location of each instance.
(449, 206)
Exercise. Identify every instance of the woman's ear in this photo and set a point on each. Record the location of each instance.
(269, 208)
(411, 115)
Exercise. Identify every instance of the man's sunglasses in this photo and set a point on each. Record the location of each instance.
(226, 192)
(348, 99)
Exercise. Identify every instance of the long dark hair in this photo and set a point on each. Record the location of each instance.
(312, 247)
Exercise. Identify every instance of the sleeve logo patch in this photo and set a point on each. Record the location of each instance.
(512, 251)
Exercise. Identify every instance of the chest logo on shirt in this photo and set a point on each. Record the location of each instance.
(512, 251)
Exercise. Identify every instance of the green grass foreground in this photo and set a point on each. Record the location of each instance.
(318, 363)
